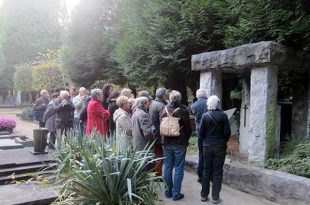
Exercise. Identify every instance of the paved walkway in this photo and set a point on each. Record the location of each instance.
(190, 187)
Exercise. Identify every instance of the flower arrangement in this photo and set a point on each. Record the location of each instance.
(7, 124)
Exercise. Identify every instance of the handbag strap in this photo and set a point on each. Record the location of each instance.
(213, 120)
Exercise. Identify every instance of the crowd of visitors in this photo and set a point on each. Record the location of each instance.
(106, 112)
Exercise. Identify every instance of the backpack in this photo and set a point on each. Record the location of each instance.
(170, 126)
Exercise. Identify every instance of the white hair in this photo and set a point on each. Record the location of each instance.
(82, 89)
(140, 101)
(201, 93)
(213, 102)
(64, 93)
(95, 93)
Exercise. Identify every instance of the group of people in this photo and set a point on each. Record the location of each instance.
(106, 112)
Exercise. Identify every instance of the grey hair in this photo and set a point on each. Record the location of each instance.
(161, 92)
(213, 102)
(140, 101)
(121, 100)
(201, 93)
(63, 93)
(175, 96)
(95, 93)
(43, 91)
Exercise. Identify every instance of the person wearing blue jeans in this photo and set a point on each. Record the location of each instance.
(174, 158)
(175, 147)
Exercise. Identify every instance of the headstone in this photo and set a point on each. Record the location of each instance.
(4, 133)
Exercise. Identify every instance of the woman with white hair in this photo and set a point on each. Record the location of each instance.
(175, 147)
(215, 132)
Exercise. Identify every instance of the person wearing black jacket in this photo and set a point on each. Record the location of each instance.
(175, 147)
(215, 132)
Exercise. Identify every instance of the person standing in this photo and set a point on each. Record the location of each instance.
(112, 107)
(122, 119)
(97, 116)
(198, 108)
(40, 106)
(175, 147)
(64, 115)
(215, 132)
(78, 102)
(155, 109)
(106, 90)
(49, 120)
(142, 128)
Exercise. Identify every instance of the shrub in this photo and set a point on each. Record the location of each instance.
(298, 162)
(100, 171)
(26, 113)
(7, 124)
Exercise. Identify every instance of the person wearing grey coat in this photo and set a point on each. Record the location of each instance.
(49, 120)
(142, 128)
(122, 119)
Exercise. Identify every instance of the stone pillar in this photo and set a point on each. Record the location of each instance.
(212, 81)
(308, 112)
(244, 116)
(18, 101)
(263, 109)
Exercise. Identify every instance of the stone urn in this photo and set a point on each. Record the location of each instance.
(40, 140)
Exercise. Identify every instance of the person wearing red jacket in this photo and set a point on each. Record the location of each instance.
(97, 116)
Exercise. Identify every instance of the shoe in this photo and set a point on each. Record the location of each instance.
(217, 201)
(168, 194)
(204, 199)
(181, 196)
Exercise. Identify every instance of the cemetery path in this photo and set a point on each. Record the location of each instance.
(190, 187)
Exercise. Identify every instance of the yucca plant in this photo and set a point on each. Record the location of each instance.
(102, 171)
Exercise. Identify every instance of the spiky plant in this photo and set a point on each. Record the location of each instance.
(102, 171)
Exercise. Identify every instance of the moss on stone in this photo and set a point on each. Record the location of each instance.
(271, 130)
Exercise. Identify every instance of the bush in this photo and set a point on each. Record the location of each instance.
(99, 171)
(26, 113)
(7, 124)
(298, 162)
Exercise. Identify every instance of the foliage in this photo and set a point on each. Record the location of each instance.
(26, 28)
(297, 162)
(85, 52)
(93, 170)
(26, 113)
(23, 77)
(46, 73)
(7, 123)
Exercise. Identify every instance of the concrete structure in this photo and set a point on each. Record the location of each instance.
(258, 64)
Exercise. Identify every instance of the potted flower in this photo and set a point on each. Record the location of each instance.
(7, 124)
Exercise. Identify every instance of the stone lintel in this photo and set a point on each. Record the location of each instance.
(242, 57)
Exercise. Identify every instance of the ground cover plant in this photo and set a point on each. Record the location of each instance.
(295, 162)
(98, 171)
(7, 124)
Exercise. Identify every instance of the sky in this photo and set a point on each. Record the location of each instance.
(70, 4)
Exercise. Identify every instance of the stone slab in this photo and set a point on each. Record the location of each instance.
(4, 133)
(18, 157)
(9, 144)
(244, 56)
(25, 141)
(11, 136)
(27, 194)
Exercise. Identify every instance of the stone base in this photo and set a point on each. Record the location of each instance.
(36, 153)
